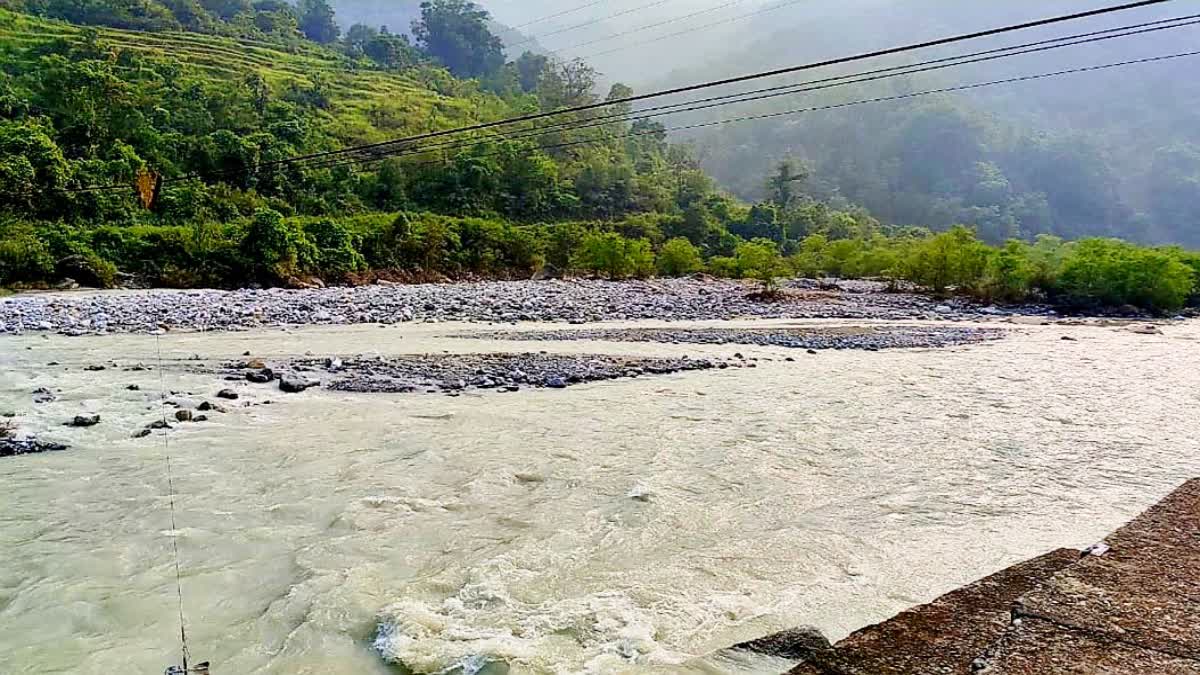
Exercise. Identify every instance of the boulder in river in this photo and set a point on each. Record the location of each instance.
(294, 384)
(228, 394)
(11, 447)
(261, 376)
(84, 421)
(43, 395)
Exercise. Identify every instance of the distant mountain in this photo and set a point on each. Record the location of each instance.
(397, 15)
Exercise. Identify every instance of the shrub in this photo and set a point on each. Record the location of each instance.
(725, 267)
(955, 258)
(1009, 274)
(24, 258)
(1110, 272)
(760, 259)
(679, 257)
(614, 256)
(275, 248)
(337, 248)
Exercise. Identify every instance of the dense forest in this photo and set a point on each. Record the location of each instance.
(214, 97)
(1113, 153)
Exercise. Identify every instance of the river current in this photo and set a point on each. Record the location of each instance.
(620, 527)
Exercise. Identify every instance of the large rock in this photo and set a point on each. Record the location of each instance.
(294, 384)
(84, 421)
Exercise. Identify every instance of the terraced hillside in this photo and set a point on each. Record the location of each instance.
(365, 105)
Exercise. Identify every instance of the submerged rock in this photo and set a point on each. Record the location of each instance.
(84, 421)
(11, 447)
(293, 384)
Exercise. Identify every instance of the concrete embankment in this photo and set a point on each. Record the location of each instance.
(1130, 605)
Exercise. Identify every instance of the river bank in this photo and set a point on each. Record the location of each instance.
(629, 525)
(573, 301)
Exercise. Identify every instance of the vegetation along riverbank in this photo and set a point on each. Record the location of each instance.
(216, 103)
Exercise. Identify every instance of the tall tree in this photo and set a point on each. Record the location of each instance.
(530, 68)
(316, 21)
(782, 185)
(455, 32)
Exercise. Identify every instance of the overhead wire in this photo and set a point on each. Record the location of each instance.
(565, 12)
(162, 396)
(687, 31)
(689, 88)
(591, 22)
(836, 106)
(639, 29)
(787, 90)
(831, 82)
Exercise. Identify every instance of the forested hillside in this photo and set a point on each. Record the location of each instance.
(205, 105)
(1108, 153)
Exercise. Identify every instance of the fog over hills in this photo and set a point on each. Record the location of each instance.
(1109, 152)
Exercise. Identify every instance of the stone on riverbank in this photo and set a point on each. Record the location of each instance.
(571, 301)
(872, 338)
(12, 447)
(84, 421)
(457, 373)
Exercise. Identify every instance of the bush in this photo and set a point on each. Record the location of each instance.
(24, 258)
(725, 267)
(337, 249)
(955, 258)
(614, 256)
(1009, 274)
(276, 249)
(760, 259)
(679, 257)
(1110, 272)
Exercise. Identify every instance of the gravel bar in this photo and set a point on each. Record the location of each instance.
(572, 301)
(871, 338)
(454, 374)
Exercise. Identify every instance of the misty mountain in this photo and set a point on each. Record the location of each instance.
(1109, 152)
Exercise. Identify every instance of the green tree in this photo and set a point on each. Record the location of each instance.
(614, 256)
(782, 185)
(317, 22)
(276, 249)
(530, 69)
(678, 257)
(760, 259)
(455, 32)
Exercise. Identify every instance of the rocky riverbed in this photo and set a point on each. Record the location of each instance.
(871, 338)
(573, 301)
(11, 447)
(454, 374)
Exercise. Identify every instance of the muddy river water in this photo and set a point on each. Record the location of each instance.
(626, 526)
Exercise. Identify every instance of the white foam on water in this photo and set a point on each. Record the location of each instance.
(482, 622)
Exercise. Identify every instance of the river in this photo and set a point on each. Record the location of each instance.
(625, 526)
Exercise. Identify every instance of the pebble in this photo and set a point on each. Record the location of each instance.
(870, 338)
(454, 374)
(568, 301)
(11, 447)
(84, 421)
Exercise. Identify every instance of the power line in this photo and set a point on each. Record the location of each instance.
(845, 80)
(745, 78)
(797, 111)
(693, 87)
(695, 29)
(591, 22)
(162, 401)
(788, 90)
(639, 29)
(562, 13)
